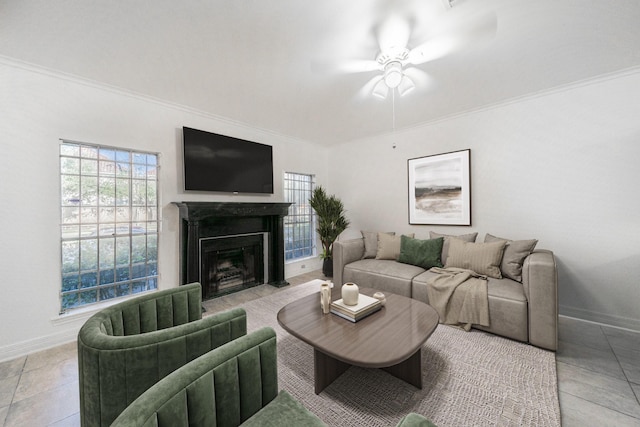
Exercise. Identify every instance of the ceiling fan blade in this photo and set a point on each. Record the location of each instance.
(433, 49)
(458, 31)
(393, 34)
(345, 66)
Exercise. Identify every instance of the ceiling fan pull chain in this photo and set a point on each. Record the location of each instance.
(393, 115)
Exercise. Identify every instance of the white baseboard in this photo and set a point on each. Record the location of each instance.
(37, 344)
(601, 318)
(298, 267)
(70, 323)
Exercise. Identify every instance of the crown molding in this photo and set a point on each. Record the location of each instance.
(567, 87)
(73, 78)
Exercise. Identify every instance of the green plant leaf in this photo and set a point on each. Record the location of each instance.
(331, 218)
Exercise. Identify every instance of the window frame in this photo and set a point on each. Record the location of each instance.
(109, 240)
(292, 219)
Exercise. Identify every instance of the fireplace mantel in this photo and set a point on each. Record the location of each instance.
(212, 219)
(195, 211)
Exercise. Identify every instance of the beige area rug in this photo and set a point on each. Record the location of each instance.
(469, 378)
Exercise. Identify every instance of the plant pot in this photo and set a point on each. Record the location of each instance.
(327, 267)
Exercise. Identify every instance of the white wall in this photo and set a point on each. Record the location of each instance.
(562, 167)
(38, 108)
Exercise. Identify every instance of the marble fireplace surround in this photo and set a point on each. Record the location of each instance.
(200, 220)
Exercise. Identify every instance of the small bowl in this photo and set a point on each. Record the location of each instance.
(380, 297)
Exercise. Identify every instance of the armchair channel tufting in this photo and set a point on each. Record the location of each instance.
(235, 384)
(128, 347)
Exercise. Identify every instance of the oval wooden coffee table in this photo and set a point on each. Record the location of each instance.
(390, 339)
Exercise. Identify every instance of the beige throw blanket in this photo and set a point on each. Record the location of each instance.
(459, 296)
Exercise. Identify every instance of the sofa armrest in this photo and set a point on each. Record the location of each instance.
(345, 252)
(540, 281)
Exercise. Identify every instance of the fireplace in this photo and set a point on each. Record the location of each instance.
(231, 263)
(231, 246)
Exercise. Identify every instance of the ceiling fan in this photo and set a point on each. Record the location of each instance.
(455, 29)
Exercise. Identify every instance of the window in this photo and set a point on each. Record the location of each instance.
(299, 230)
(109, 223)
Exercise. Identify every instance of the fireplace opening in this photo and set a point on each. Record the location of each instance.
(232, 263)
(231, 269)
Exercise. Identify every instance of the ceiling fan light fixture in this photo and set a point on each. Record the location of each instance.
(406, 85)
(381, 90)
(393, 74)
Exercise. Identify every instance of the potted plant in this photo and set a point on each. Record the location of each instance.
(331, 222)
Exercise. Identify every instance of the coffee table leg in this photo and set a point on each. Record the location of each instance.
(410, 370)
(327, 369)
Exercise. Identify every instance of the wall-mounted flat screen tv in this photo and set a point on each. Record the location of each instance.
(222, 163)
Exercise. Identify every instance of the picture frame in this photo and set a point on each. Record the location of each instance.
(440, 189)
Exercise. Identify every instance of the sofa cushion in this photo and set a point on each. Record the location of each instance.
(389, 246)
(423, 253)
(509, 310)
(515, 253)
(506, 289)
(371, 243)
(382, 275)
(471, 237)
(483, 258)
(508, 307)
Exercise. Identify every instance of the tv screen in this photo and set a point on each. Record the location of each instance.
(222, 163)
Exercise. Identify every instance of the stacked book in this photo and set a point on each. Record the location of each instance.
(366, 306)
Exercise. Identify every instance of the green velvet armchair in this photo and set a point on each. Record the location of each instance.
(128, 347)
(235, 384)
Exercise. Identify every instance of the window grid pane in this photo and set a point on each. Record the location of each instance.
(109, 224)
(299, 226)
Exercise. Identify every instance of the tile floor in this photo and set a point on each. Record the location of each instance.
(598, 375)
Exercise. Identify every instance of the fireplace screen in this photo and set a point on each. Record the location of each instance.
(231, 263)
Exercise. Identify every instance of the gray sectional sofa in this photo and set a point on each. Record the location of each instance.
(523, 307)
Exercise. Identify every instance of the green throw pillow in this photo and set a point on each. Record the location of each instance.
(423, 253)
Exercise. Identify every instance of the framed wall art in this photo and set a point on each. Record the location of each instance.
(440, 189)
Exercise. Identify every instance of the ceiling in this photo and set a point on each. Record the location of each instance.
(249, 61)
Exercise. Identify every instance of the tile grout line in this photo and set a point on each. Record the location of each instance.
(598, 404)
(599, 373)
(15, 390)
(592, 370)
(637, 395)
(62, 419)
(606, 337)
